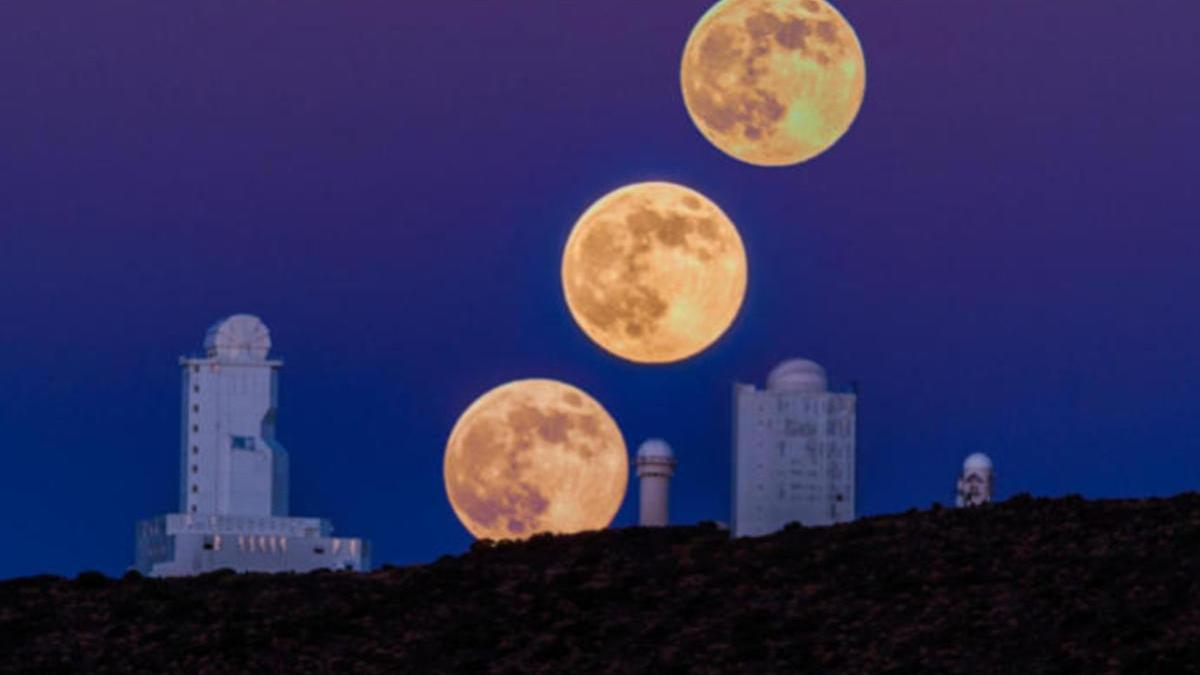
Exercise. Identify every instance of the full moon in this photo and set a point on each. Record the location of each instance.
(654, 272)
(535, 456)
(773, 82)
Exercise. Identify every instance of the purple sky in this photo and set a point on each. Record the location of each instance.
(1003, 252)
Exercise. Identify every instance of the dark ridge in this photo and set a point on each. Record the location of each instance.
(1031, 586)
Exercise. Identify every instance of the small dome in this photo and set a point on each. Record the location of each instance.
(655, 448)
(798, 375)
(977, 462)
(241, 337)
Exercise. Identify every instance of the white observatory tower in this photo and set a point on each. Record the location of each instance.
(793, 451)
(655, 466)
(977, 481)
(233, 473)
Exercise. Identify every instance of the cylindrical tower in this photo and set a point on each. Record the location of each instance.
(977, 481)
(655, 466)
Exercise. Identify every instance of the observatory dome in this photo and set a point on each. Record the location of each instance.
(798, 375)
(655, 448)
(241, 337)
(977, 462)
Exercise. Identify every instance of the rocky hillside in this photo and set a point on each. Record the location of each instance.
(1029, 586)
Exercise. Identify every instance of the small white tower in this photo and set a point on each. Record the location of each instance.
(655, 466)
(976, 482)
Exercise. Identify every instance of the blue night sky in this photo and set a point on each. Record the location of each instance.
(1003, 252)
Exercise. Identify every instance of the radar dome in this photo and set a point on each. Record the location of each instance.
(977, 462)
(655, 448)
(241, 337)
(798, 375)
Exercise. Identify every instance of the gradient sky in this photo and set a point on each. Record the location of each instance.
(1004, 251)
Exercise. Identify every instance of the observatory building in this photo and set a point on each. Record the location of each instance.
(233, 474)
(793, 451)
(655, 466)
(977, 481)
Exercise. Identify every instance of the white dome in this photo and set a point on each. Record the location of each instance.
(241, 337)
(977, 462)
(798, 375)
(655, 448)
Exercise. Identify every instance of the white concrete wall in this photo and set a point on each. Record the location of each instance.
(179, 544)
(654, 500)
(233, 464)
(793, 459)
(975, 487)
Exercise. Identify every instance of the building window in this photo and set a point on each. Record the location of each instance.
(242, 442)
(195, 428)
(195, 488)
(208, 542)
(195, 369)
(318, 549)
(195, 408)
(195, 469)
(195, 388)
(195, 449)
(193, 508)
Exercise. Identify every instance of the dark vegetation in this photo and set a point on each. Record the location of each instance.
(1030, 586)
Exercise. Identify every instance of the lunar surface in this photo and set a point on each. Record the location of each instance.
(773, 82)
(535, 456)
(654, 272)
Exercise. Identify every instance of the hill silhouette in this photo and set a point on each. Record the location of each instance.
(1029, 585)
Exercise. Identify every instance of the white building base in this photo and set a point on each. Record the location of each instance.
(179, 544)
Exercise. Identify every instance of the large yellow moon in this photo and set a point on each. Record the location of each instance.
(535, 456)
(654, 272)
(773, 82)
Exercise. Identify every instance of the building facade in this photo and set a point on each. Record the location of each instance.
(793, 452)
(233, 483)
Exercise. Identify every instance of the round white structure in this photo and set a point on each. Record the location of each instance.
(977, 481)
(655, 466)
(977, 462)
(798, 375)
(241, 337)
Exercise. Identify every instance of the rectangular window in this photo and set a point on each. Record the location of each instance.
(242, 443)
